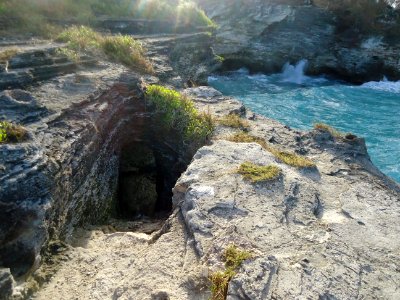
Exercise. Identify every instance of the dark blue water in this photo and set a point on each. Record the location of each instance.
(370, 111)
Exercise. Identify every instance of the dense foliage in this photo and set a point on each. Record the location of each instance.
(34, 15)
(177, 112)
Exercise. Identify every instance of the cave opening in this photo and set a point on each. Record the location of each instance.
(147, 174)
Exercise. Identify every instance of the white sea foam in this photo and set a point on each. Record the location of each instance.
(295, 73)
(383, 85)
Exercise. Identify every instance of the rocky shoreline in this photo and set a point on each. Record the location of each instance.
(263, 36)
(329, 232)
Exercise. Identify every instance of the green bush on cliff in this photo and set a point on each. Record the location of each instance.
(11, 133)
(120, 48)
(178, 113)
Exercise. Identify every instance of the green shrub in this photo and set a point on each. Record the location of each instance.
(120, 48)
(178, 112)
(32, 16)
(256, 173)
(189, 14)
(125, 49)
(233, 258)
(11, 133)
(81, 38)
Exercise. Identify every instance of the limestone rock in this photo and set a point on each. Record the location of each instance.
(6, 284)
(264, 35)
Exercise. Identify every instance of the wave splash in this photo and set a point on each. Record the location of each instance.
(295, 73)
(383, 85)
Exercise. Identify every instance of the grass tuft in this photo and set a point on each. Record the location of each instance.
(11, 133)
(178, 112)
(233, 258)
(234, 121)
(325, 127)
(219, 284)
(244, 137)
(8, 54)
(126, 50)
(292, 159)
(119, 48)
(256, 173)
(288, 158)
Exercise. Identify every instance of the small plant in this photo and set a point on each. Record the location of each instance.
(178, 112)
(219, 284)
(219, 58)
(8, 54)
(189, 14)
(234, 121)
(80, 38)
(244, 137)
(292, 159)
(325, 127)
(120, 48)
(288, 158)
(233, 258)
(11, 133)
(125, 49)
(256, 173)
(72, 55)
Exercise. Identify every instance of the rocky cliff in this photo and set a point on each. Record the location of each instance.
(72, 195)
(357, 44)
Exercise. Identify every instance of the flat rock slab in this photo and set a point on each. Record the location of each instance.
(312, 237)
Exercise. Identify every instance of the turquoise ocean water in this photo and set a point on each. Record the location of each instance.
(371, 111)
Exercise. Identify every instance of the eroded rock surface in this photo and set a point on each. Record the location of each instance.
(329, 232)
(264, 35)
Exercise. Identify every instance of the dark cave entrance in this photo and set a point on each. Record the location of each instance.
(147, 174)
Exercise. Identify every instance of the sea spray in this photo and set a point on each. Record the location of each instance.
(295, 73)
(383, 85)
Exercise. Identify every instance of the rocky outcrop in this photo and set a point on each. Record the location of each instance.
(263, 36)
(71, 171)
(327, 232)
